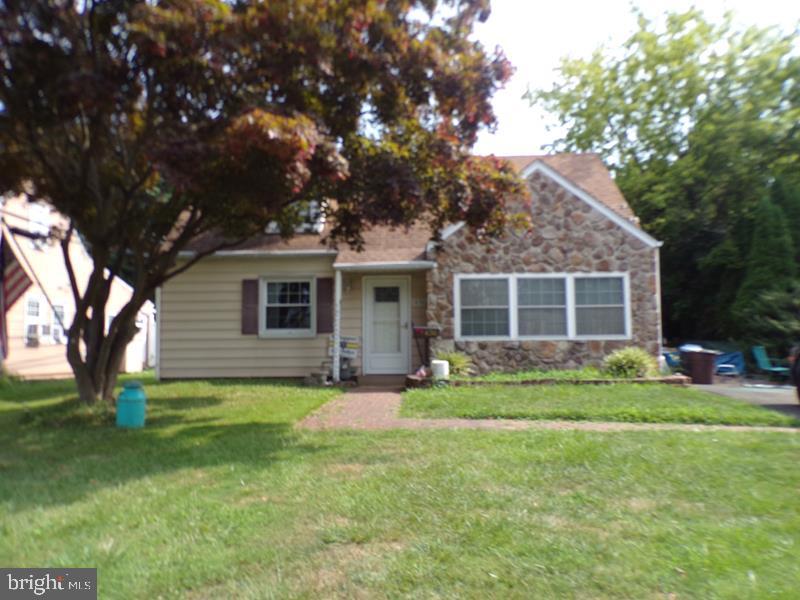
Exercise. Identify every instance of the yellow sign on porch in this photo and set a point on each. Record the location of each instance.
(348, 346)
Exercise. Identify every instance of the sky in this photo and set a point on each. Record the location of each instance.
(534, 35)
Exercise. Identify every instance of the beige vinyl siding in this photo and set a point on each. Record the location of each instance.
(352, 309)
(201, 322)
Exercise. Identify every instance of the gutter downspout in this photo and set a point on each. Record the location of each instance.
(158, 333)
(657, 271)
(337, 325)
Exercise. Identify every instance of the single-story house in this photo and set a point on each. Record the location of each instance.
(582, 283)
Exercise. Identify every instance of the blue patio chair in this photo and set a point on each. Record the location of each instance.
(764, 363)
(730, 364)
(673, 359)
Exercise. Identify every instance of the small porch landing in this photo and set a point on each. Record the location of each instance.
(382, 381)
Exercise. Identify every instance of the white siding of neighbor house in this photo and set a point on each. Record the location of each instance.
(201, 319)
(46, 261)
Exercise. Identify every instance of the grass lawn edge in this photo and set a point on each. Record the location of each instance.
(625, 403)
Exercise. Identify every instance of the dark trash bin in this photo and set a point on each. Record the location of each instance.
(701, 366)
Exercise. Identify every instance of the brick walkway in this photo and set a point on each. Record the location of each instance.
(378, 408)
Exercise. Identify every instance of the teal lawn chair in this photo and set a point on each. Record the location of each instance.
(764, 363)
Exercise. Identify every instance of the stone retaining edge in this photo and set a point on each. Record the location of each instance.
(679, 380)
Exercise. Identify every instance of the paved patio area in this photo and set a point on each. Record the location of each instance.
(782, 398)
(376, 408)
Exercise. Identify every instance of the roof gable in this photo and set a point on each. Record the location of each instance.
(587, 171)
(586, 177)
(626, 225)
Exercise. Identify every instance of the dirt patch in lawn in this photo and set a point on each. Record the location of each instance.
(346, 469)
(337, 568)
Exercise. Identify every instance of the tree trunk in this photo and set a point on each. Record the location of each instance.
(88, 392)
(115, 356)
(96, 355)
(96, 378)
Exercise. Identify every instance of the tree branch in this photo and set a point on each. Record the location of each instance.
(73, 282)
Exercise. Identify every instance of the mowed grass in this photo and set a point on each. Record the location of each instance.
(583, 374)
(219, 497)
(643, 403)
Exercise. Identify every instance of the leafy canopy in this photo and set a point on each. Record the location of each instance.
(697, 119)
(124, 112)
(770, 264)
(152, 123)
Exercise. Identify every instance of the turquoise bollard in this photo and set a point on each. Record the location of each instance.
(131, 406)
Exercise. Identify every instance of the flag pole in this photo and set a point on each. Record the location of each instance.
(4, 323)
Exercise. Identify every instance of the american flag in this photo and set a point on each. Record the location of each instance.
(15, 282)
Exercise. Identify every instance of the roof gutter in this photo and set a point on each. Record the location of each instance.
(408, 265)
(263, 253)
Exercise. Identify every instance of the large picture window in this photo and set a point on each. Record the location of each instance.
(287, 307)
(542, 306)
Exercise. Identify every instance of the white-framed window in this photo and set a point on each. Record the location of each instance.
(32, 335)
(600, 306)
(311, 218)
(32, 308)
(484, 307)
(552, 306)
(59, 324)
(44, 324)
(35, 318)
(287, 307)
(542, 307)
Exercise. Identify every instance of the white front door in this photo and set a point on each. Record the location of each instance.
(387, 328)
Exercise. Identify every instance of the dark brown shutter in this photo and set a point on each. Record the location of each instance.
(250, 306)
(325, 305)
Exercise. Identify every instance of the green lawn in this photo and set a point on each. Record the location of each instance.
(220, 498)
(646, 403)
(583, 374)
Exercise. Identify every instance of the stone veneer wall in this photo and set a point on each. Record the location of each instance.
(567, 236)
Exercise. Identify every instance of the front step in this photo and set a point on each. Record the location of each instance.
(317, 378)
(391, 381)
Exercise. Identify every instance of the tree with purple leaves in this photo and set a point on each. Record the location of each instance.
(148, 124)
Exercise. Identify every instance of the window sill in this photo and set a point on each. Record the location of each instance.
(601, 338)
(287, 335)
(581, 338)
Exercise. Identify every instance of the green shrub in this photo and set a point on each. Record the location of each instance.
(630, 362)
(460, 363)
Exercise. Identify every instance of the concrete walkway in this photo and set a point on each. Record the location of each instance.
(375, 409)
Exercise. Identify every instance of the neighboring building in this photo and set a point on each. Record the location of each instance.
(37, 321)
(584, 282)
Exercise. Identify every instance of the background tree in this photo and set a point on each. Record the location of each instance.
(786, 195)
(776, 318)
(148, 124)
(697, 120)
(770, 265)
